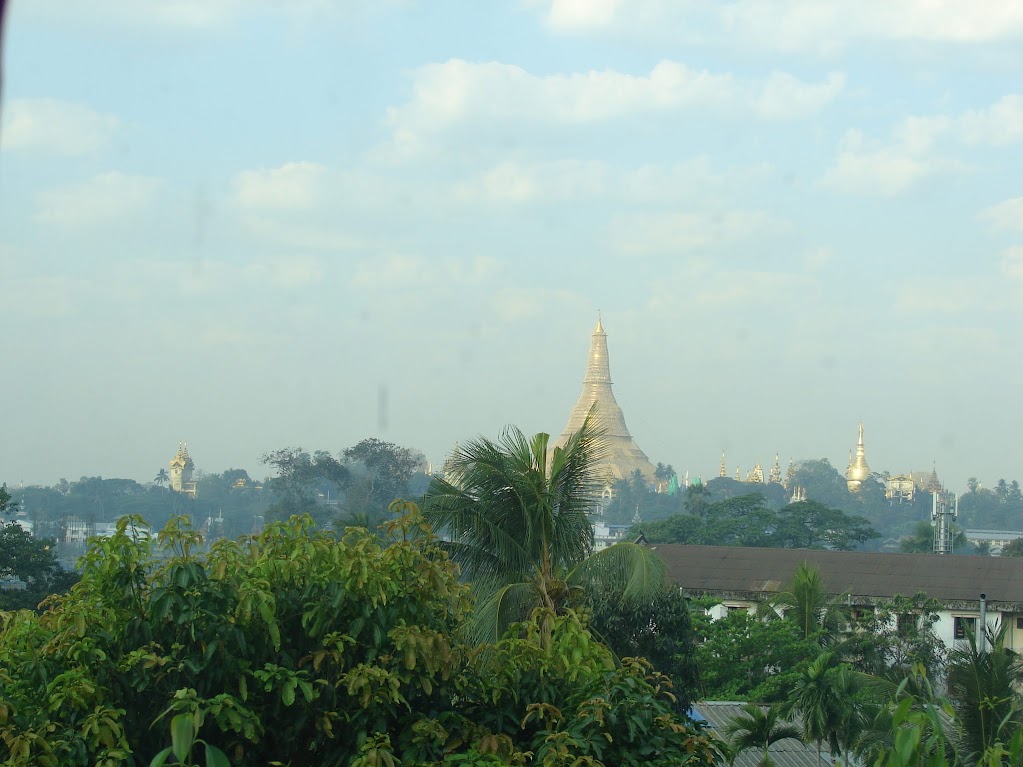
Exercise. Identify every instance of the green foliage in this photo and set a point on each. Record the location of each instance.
(983, 685)
(747, 520)
(758, 727)
(518, 516)
(296, 648)
(357, 486)
(896, 637)
(745, 657)
(33, 563)
(659, 629)
(549, 694)
(291, 646)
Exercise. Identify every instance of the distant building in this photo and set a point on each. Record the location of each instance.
(900, 488)
(181, 467)
(996, 540)
(741, 577)
(624, 457)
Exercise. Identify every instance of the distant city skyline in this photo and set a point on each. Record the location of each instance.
(252, 225)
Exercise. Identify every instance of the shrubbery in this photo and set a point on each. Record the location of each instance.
(294, 648)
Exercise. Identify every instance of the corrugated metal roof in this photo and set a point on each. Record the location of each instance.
(737, 569)
(784, 753)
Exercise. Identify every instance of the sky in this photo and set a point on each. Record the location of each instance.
(255, 224)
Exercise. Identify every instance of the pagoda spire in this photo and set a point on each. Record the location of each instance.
(858, 470)
(623, 455)
(723, 472)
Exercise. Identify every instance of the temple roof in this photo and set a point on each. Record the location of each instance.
(624, 456)
(181, 459)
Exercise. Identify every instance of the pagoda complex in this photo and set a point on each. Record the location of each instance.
(623, 457)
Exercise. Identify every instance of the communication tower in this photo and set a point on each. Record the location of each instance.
(944, 510)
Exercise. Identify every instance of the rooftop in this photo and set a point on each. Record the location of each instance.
(753, 573)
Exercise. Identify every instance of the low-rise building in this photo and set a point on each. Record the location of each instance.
(742, 577)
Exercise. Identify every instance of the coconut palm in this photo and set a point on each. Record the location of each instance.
(518, 516)
(759, 727)
(162, 477)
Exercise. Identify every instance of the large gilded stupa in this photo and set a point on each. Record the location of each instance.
(858, 470)
(623, 455)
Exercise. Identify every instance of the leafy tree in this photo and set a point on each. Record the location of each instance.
(1013, 548)
(518, 518)
(812, 525)
(548, 689)
(679, 528)
(697, 499)
(31, 561)
(659, 630)
(759, 727)
(381, 471)
(296, 648)
(922, 540)
(896, 637)
(742, 656)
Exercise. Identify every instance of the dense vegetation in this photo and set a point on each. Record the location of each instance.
(297, 648)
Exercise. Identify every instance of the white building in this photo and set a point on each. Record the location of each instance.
(742, 577)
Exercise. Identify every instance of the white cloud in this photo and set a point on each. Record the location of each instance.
(107, 198)
(186, 15)
(502, 98)
(55, 127)
(917, 147)
(998, 125)
(873, 168)
(1012, 262)
(683, 233)
(1006, 215)
(292, 186)
(413, 271)
(791, 24)
(521, 183)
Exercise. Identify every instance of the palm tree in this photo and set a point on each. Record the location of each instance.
(759, 727)
(161, 477)
(824, 695)
(808, 603)
(517, 513)
(982, 686)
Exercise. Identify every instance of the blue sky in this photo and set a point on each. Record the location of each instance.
(260, 224)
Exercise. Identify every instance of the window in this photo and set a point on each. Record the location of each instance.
(965, 627)
(1019, 622)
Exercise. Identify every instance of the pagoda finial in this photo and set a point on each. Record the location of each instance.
(600, 324)
(724, 467)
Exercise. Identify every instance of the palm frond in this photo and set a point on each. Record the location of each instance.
(628, 570)
(499, 608)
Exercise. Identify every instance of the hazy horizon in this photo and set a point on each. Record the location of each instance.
(252, 225)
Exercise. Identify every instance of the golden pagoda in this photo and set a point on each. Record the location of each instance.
(723, 472)
(775, 476)
(624, 457)
(858, 470)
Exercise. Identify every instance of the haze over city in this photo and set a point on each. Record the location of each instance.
(257, 225)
